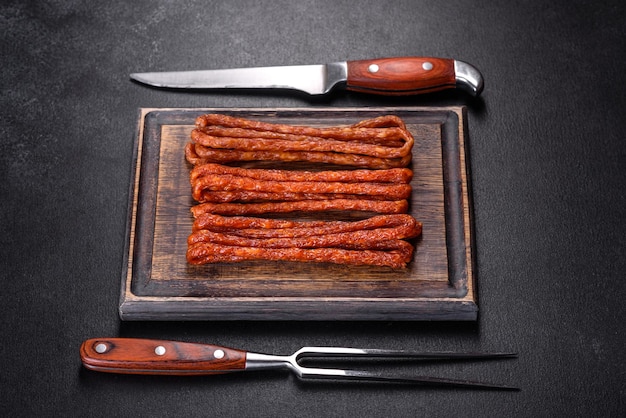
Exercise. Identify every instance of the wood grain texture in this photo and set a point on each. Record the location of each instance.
(155, 357)
(401, 76)
(158, 284)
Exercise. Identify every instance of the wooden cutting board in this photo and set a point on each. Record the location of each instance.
(439, 284)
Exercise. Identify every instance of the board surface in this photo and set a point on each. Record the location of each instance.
(439, 284)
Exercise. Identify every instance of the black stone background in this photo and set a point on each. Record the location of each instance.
(547, 154)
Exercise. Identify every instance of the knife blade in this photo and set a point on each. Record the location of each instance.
(384, 76)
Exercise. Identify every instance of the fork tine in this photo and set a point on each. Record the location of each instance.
(443, 355)
(346, 352)
(381, 353)
(355, 375)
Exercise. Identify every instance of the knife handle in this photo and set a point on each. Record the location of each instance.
(157, 357)
(401, 76)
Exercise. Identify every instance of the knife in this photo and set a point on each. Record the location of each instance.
(385, 76)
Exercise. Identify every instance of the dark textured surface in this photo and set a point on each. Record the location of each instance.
(547, 155)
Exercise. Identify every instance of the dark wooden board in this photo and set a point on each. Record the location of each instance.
(158, 284)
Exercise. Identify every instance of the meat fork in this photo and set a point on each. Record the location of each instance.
(159, 357)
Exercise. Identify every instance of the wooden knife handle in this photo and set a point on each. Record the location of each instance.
(141, 356)
(401, 76)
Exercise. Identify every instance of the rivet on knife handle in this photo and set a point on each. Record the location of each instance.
(140, 356)
(412, 75)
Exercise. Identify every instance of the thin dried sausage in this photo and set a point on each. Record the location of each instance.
(198, 154)
(203, 253)
(396, 175)
(274, 228)
(218, 182)
(377, 206)
(385, 239)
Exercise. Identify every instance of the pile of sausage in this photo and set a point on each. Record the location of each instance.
(259, 191)
(232, 200)
(382, 142)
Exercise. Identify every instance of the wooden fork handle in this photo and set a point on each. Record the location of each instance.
(156, 357)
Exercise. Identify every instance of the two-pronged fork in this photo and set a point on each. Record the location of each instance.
(158, 357)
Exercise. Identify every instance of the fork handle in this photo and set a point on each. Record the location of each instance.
(157, 357)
